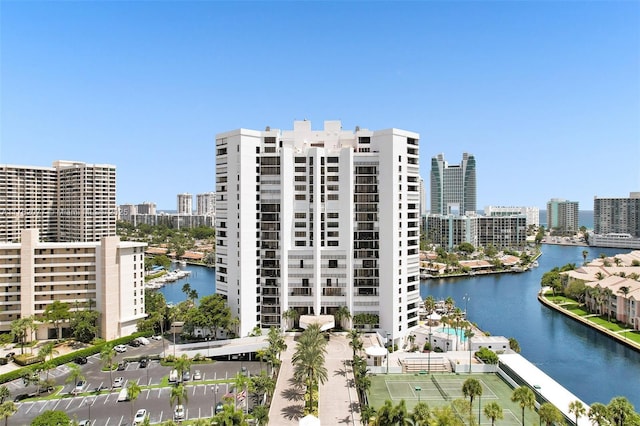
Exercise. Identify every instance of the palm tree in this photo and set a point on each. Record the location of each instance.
(607, 295)
(75, 374)
(341, 314)
(133, 390)
(524, 397)
(107, 355)
(624, 290)
(230, 416)
(420, 414)
(598, 414)
(355, 341)
(7, 409)
(585, 253)
(308, 361)
(471, 388)
(182, 364)
(549, 414)
(366, 413)
(493, 411)
(291, 316)
(577, 408)
(400, 414)
(47, 350)
(385, 415)
(4, 393)
(620, 410)
(179, 396)
(445, 416)
(240, 383)
(261, 415)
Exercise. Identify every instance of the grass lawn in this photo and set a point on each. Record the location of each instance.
(603, 322)
(576, 310)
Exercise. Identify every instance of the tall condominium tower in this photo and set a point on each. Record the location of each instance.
(313, 220)
(562, 215)
(453, 186)
(185, 203)
(206, 204)
(71, 201)
(617, 215)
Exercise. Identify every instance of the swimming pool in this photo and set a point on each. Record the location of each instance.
(452, 332)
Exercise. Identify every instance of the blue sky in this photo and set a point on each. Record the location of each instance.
(545, 94)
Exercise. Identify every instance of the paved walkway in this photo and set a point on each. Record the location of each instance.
(338, 397)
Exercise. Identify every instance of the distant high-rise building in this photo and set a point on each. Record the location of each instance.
(532, 213)
(314, 220)
(617, 215)
(146, 207)
(206, 204)
(70, 201)
(453, 187)
(185, 204)
(562, 215)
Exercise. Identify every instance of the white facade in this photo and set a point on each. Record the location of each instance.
(317, 219)
(206, 204)
(185, 203)
(70, 201)
(107, 276)
(532, 213)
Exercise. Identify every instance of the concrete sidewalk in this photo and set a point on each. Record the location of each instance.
(338, 398)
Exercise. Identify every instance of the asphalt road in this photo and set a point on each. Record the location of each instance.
(104, 409)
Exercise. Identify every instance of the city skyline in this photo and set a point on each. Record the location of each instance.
(545, 95)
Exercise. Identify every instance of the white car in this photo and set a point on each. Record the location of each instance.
(143, 340)
(140, 416)
(178, 414)
(157, 337)
(120, 348)
(117, 382)
(80, 386)
(197, 375)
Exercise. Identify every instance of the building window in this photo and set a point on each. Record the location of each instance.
(333, 263)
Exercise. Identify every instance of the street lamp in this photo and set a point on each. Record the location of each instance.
(89, 402)
(418, 389)
(430, 349)
(388, 351)
(466, 299)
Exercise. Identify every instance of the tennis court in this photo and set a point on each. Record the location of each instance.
(441, 389)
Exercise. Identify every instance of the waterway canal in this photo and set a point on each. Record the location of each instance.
(592, 366)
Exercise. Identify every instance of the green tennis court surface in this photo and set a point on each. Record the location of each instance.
(441, 389)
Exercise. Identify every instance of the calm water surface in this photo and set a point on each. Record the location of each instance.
(592, 366)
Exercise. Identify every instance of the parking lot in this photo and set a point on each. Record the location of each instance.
(103, 408)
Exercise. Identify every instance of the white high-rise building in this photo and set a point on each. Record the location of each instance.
(70, 201)
(313, 220)
(185, 203)
(532, 213)
(206, 204)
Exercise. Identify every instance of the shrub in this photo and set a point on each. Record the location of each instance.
(487, 356)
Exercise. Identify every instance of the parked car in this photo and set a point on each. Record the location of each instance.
(141, 414)
(197, 375)
(117, 382)
(157, 337)
(80, 386)
(186, 376)
(120, 348)
(143, 362)
(143, 340)
(122, 365)
(80, 360)
(135, 343)
(123, 395)
(85, 422)
(219, 407)
(178, 414)
(173, 376)
(10, 355)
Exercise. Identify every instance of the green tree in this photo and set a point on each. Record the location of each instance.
(421, 414)
(620, 410)
(84, 326)
(48, 350)
(445, 416)
(549, 414)
(216, 313)
(341, 314)
(20, 329)
(74, 375)
(355, 341)
(230, 416)
(182, 364)
(134, 390)
(599, 414)
(514, 345)
(261, 415)
(290, 316)
(493, 412)
(471, 388)
(7, 409)
(367, 412)
(308, 360)
(585, 253)
(107, 355)
(57, 313)
(262, 384)
(178, 396)
(525, 399)
(52, 417)
(4, 393)
(577, 409)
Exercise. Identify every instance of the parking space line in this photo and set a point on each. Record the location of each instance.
(67, 407)
(43, 406)
(57, 403)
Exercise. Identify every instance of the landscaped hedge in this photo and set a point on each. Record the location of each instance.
(66, 358)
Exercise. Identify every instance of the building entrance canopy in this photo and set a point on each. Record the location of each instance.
(326, 322)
